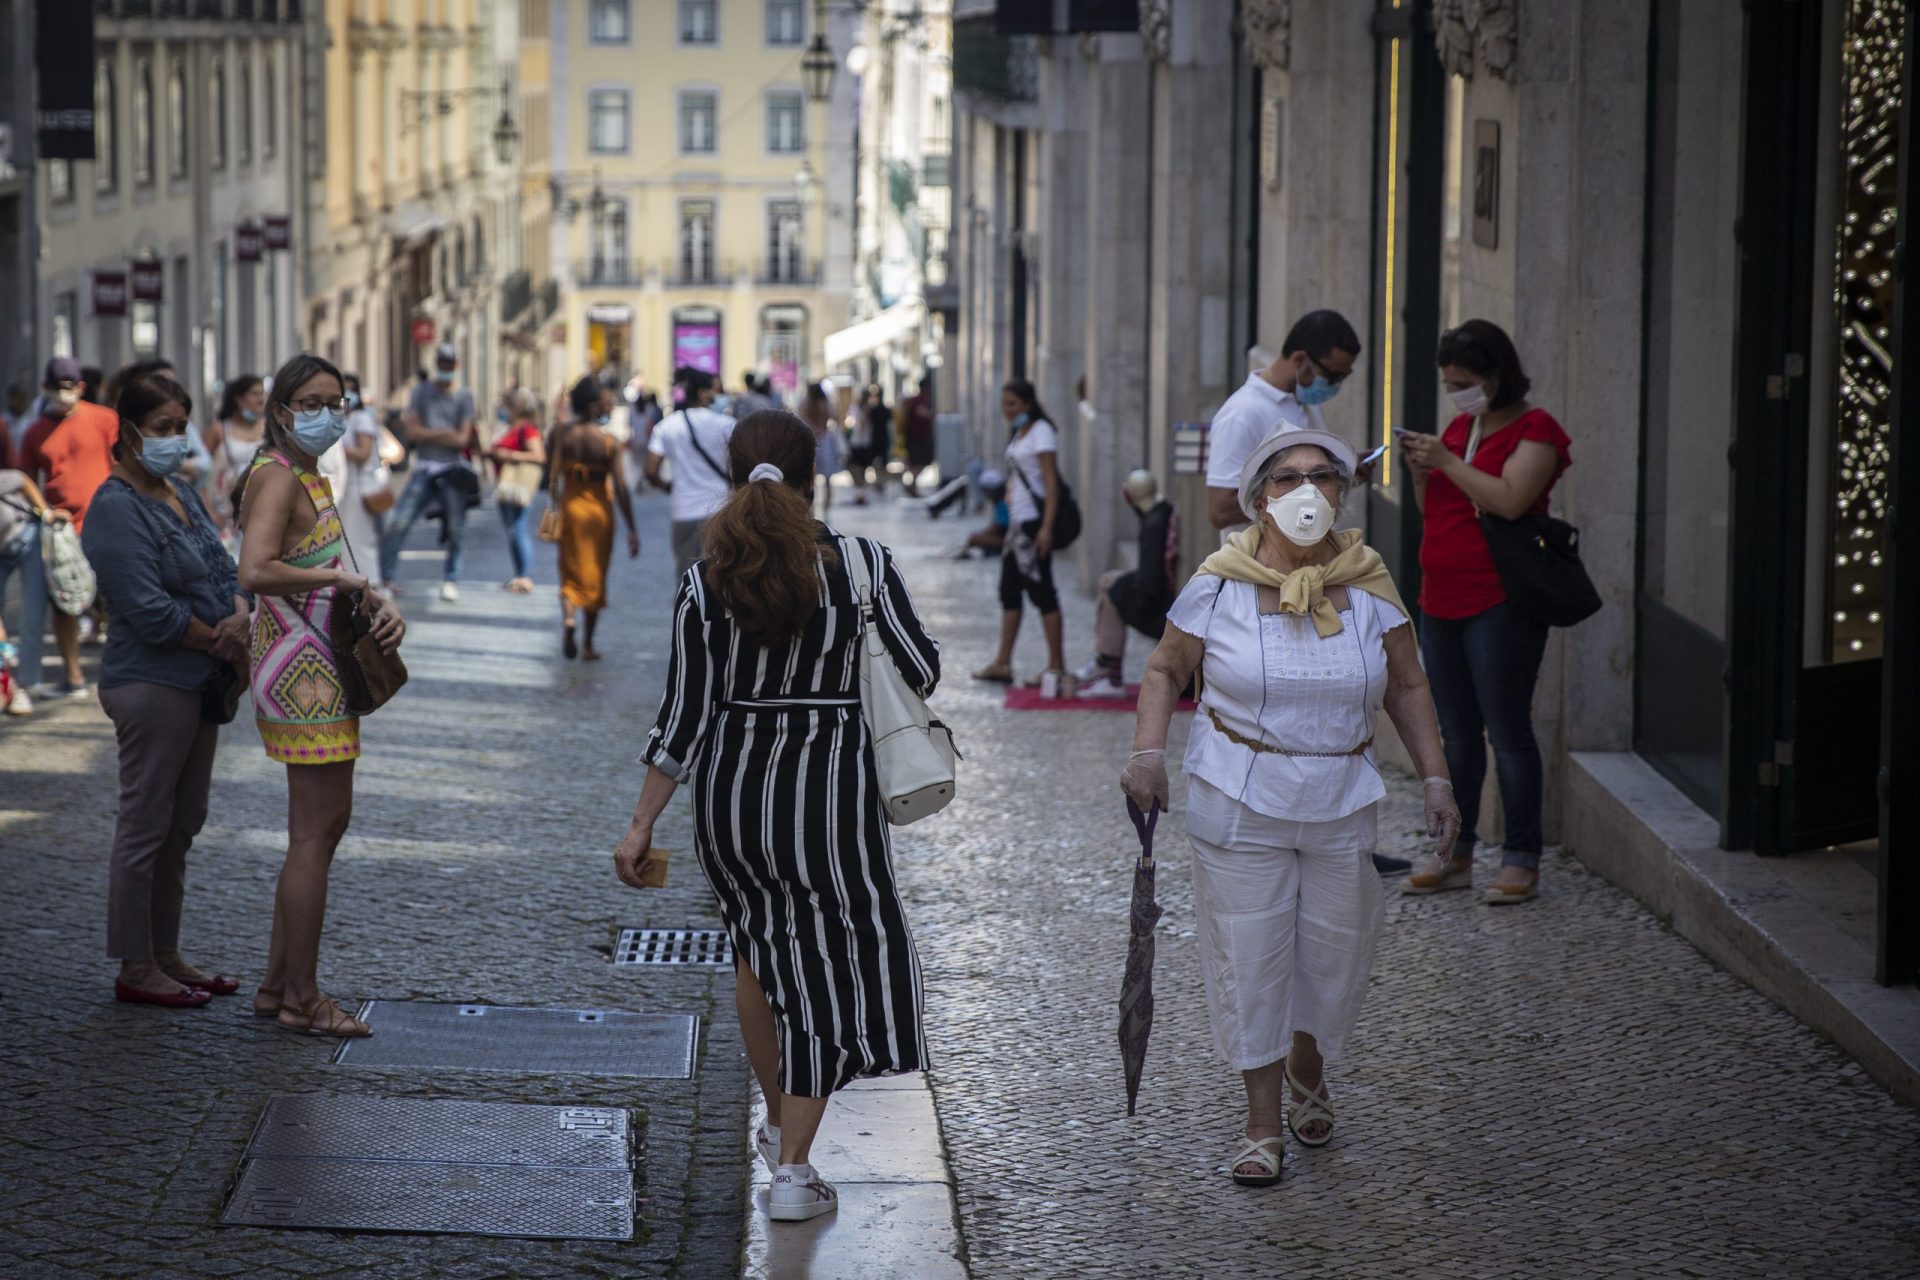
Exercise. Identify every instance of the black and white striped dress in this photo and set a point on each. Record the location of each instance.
(789, 824)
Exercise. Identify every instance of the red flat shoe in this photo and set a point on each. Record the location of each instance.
(191, 998)
(218, 984)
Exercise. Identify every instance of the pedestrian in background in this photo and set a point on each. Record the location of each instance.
(762, 714)
(441, 428)
(23, 510)
(520, 454)
(347, 467)
(590, 480)
(1026, 566)
(1136, 598)
(1302, 640)
(829, 455)
(296, 562)
(1500, 455)
(916, 429)
(693, 440)
(879, 437)
(232, 438)
(173, 669)
(69, 454)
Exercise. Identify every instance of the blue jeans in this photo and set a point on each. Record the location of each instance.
(1483, 670)
(31, 629)
(519, 536)
(453, 501)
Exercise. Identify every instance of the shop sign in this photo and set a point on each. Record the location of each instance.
(63, 63)
(149, 281)
(609, 313)
(1190, 448)
(247, 242)
(279, 234)
(109, 293)
(423, 330)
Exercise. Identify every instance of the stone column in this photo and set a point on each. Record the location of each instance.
(1059, 242)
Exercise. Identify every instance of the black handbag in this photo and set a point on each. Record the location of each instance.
(220, 695)
(1538, 559)
(1066, 518)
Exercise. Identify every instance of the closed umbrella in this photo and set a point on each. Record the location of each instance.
(1136, 988)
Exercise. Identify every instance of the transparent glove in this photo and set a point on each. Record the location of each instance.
(1443, 814)
(1145, 779)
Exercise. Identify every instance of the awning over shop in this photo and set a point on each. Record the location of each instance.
(894, 324)
(413, 223)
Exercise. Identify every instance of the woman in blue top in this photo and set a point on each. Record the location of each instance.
(174, 666)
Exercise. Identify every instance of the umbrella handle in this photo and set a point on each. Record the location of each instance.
(1144, 823)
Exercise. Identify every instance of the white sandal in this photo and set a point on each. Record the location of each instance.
(1312, 1106)
(1256, 1152)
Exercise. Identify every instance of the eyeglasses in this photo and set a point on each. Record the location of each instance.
(1334, 379)
(1325, 477)
(314, 404)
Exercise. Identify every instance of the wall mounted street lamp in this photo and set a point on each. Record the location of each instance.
(818, 64)
(506, 136)
(568, 206)
(420, 107)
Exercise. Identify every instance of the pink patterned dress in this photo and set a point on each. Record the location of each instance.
(299, 701)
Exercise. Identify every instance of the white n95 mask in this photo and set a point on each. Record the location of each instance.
(1304, 515)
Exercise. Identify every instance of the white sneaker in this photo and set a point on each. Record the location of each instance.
(54, 692)
(1104, 687)
(767, 1140)
(449, 592)
(799, 1194)
(19, 704)
(1088, 671)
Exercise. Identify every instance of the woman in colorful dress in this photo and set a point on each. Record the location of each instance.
(296, 560)
(592, 477)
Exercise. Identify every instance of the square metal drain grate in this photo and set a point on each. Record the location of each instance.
(413, 1035)
(673, 947)
(415, 1165)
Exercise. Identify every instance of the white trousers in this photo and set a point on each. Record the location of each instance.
(1289, 915)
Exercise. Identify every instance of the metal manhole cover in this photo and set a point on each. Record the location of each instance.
(673, 947)
(480, 1168)
(410, 1035)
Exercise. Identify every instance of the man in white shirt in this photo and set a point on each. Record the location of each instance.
(1314, 361)
(694, 441)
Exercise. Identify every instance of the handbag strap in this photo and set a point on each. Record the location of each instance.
(693, 438)
(862, 575)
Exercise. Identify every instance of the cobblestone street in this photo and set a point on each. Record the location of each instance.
(1561, 1089)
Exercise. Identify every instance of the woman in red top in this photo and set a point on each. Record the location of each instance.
(1500, 456)
(519, 455)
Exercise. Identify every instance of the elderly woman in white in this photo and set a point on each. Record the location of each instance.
(1301, 640)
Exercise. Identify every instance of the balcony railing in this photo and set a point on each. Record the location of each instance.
(677, 273)
(789, 269)
(516, 295)
(992, 65)
(609, 273)
(546, 301)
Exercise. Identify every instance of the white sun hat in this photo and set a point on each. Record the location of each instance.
(1279, 442)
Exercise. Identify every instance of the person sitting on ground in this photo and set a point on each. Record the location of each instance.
(1136, 598)
(992, 539)
(1303, 640)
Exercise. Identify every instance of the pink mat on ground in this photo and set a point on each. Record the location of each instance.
(1019, 699)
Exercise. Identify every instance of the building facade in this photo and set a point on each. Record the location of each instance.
(414, 208)
(19, 348)
(177, 239)
(1685, 215)
(698, 213)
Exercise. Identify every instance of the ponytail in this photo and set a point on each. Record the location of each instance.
(763, 551)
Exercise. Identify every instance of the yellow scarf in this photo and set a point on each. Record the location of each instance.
(1305, 590)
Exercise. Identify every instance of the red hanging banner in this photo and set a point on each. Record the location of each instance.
(109, 293)
(247, 242)
(279, 234)
(149, 281)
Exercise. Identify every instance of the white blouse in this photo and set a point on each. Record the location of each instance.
(1273, 678)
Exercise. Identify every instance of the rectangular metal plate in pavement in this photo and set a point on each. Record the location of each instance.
(482, 1168)
(673, 947)
(410, 1035)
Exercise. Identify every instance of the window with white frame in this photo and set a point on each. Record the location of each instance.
(106, 156)
(177, 119)
(609, 242)
(699, 121)
(786, 23)
(143, 122)
(786, 121)
(246, 110)
(608, 21)
(606, 120)
(699, 22)
(217, 106)
(696, 241)
(786, 259)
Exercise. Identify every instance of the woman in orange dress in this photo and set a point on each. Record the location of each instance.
(589, 479)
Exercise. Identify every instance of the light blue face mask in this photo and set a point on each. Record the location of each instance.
(1319, 391)
(318, 431)
(1019, 422)
(164, 455)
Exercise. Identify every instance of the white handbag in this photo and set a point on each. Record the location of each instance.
(912, 752)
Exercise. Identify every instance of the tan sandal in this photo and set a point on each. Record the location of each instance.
(324, 1017)
(1502, 895)
(266, 1004)
(995, 673)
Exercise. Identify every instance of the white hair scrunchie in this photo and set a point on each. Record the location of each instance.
(767, 471)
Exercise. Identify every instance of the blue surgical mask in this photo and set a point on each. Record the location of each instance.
(443, 377)
(249, 415)
(1319, 391)
(604, 419)
(353, 400)
(164, 455)
(318, 431)
(1019, 422)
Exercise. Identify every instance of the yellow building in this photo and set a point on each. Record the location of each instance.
(691, 177)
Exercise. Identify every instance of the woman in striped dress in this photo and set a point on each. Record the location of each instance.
(296, 560)
(762, 715)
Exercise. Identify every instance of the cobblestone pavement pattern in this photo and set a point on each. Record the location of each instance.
(1561, 1089)
(478, 869)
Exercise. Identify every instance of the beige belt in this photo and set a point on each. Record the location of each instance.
(1254, 744)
